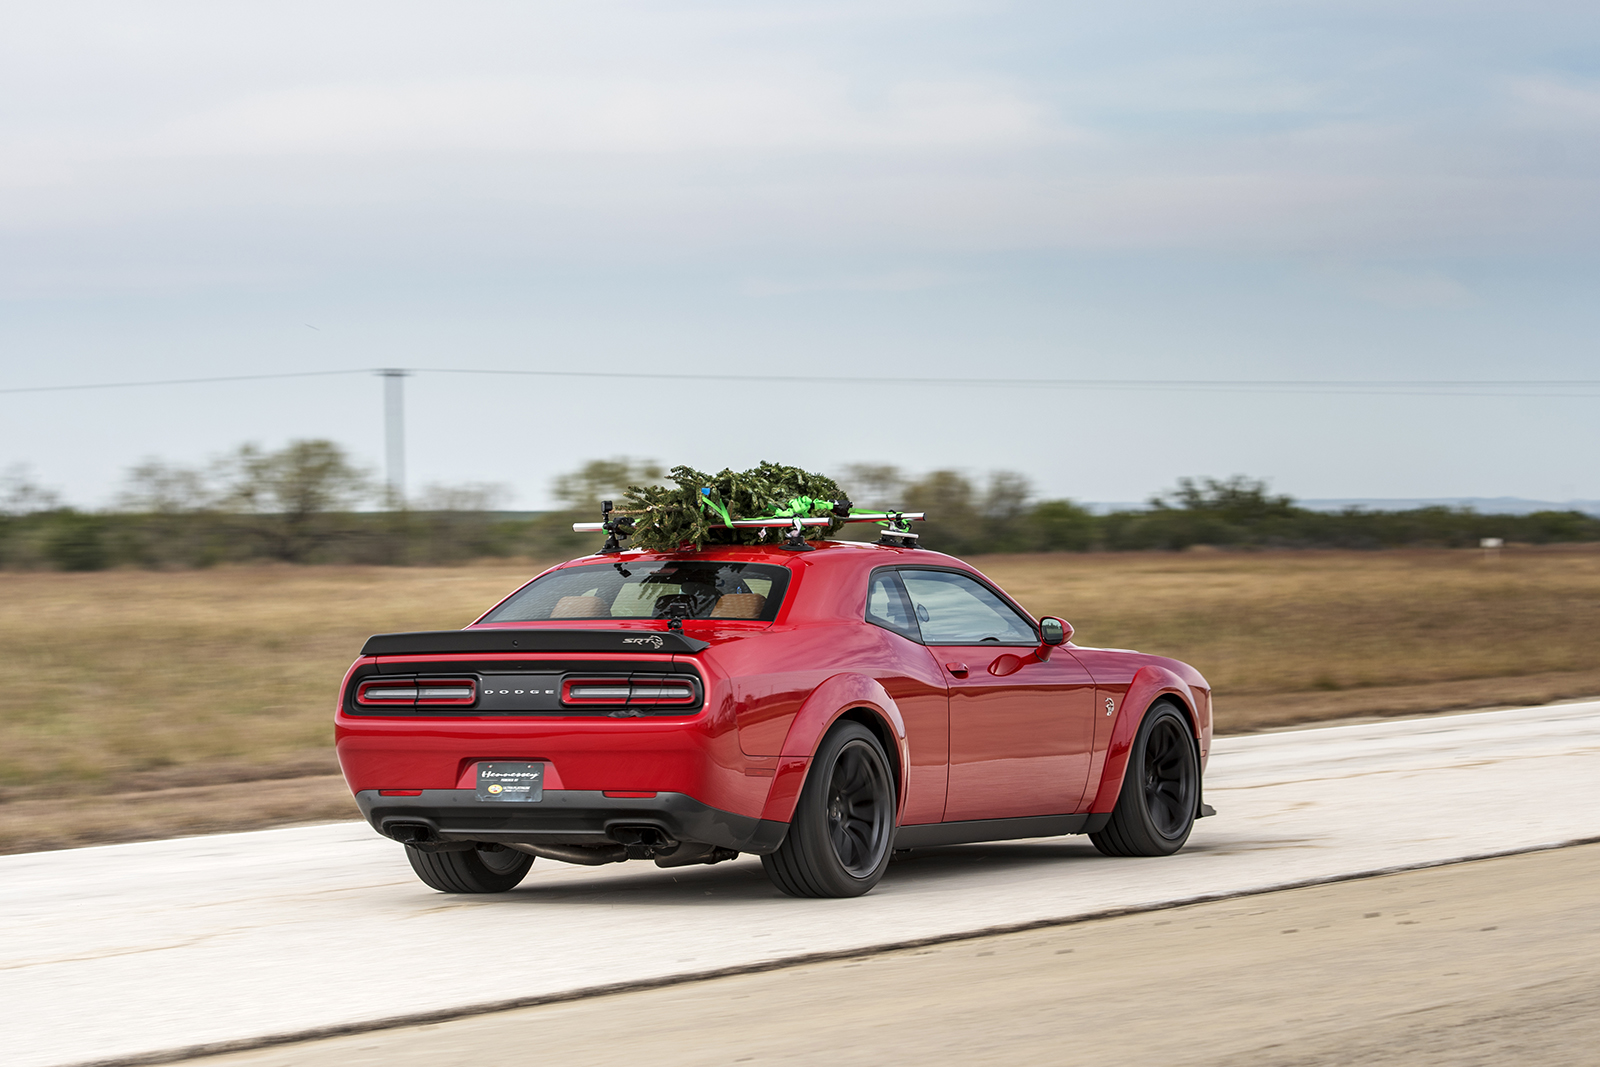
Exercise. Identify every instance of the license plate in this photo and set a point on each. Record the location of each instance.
(511, 782)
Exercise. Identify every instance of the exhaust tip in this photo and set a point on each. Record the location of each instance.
(643, 842)
(409, 833)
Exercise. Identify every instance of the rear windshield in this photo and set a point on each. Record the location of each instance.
(696, 589)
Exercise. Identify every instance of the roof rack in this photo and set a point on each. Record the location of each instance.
(896, 524)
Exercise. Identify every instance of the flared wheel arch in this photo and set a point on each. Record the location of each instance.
(780, 804)
(1127, 727)
(844, 697)
(1160, 797)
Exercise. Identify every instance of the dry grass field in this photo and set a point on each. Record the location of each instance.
(141, 704)
(1291, 637)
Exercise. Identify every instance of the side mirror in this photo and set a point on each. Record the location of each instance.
(1054, 631)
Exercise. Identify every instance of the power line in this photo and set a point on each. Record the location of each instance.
(1361, 387)
(180, 381)
(1484, 387)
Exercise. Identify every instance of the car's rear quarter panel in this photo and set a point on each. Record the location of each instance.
(773, 681)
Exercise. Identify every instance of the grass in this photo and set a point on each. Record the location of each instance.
(130, 678)
(175, 686)
(1286, 623)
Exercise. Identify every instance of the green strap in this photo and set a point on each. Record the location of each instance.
(800, 507)
(710, 501)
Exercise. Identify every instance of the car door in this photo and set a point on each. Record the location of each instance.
(1021, 727)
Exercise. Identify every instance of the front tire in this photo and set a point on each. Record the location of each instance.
(840, 838)
(1160, 795)
(476, 870)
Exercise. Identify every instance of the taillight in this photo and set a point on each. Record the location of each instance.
(386, 693)
(447, 692)
(415, 692)
(656, 690)
(596, 693)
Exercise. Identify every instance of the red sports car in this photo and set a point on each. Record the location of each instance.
(821, 709)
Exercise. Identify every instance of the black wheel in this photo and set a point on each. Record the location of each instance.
(1160, 790)
(487, 869)
(839, 839)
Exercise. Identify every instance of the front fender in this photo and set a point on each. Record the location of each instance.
(816, 717)
(1149, 685)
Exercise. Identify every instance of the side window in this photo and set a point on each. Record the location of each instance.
(956, 609)
(887, 605)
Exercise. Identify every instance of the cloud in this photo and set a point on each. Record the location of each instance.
(1408, 289)
(581, 116)
(1555, 104)
(895, 281)
(241, 141)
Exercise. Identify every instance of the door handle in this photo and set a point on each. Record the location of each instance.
(957, 669)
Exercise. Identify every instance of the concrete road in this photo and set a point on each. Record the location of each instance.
(1490, 962)
(124, 950)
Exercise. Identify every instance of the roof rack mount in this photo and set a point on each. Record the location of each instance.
(803, 513)
(779, 523)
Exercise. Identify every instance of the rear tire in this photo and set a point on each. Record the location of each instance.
(1160, 795)
(841, 835)
(475, 870)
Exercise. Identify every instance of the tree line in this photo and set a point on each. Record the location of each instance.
(309, 503)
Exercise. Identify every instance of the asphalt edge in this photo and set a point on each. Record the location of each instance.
(220, 1048)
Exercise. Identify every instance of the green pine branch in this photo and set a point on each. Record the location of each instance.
(669, 517)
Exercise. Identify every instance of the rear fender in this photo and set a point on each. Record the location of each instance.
(361, 661)
(828, 702)
(1148, 686)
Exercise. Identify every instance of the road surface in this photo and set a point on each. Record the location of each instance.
(1489, 962)
(131, 950)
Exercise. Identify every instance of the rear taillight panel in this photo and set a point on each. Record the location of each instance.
(493, 694)
(631, 691)
(417, 692)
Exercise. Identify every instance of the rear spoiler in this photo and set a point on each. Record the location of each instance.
(426, 641)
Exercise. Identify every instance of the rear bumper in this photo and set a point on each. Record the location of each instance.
(565, 817)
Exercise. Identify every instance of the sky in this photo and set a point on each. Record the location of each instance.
(945, 197)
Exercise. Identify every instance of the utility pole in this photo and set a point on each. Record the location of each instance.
(394, 435)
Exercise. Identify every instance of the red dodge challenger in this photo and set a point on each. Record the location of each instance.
(820, 709)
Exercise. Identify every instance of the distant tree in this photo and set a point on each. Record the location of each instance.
(873, 485)
(450, 524)
(21, 495)
(467, 497)
(75, 541)
(170, 516)
(28, 515)
(294, 496)
(955, 523)
(1547, 526)
(1238, 499)
(1063, 526)
(603, 479)
(1006, 509)
(156, 487)
(1233, 511)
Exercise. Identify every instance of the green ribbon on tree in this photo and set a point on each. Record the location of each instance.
(700, 508)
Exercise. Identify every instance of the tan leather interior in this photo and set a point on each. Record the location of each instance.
(579, 607)
(739, 606)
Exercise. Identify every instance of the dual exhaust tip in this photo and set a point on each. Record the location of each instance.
(633, 843)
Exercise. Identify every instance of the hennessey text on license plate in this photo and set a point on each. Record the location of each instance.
(514, 782)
